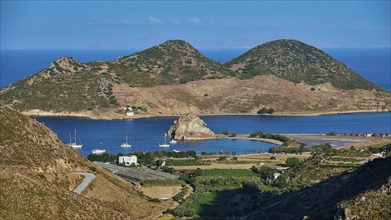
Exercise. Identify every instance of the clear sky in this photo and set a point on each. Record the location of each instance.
(204, 24)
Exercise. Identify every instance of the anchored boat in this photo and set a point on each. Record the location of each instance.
(165, 141)
(126, 144)
(74, 144)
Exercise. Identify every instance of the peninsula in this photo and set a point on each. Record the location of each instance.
(172, 78)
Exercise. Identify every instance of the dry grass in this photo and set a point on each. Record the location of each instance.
(161, 191)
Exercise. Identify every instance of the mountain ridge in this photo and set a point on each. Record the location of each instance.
(68, 86)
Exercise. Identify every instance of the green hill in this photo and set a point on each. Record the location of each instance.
(296, 61)
(171, 62)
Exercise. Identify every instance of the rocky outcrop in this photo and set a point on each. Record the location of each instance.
(189, 126)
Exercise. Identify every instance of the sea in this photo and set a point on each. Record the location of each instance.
(146, 134)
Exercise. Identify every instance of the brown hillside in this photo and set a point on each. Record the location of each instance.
(36, 179)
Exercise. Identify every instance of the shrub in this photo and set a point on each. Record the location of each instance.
(250, 186)
(225, 132)
(232, 135)
(373, 150)
(292, 161)
(222, 158)
(265, 111)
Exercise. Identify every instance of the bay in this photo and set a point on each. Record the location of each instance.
(146, 133)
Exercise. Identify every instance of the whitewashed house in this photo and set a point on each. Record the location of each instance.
(129, 111)
(127, 161)
(276, 175)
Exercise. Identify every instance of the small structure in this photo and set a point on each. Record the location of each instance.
(276, 175)
(129, 111)
(127, 161)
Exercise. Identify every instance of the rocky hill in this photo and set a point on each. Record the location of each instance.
(173, 78)
(189, 126)
(171, 62)
(298, 62)
(37, 178)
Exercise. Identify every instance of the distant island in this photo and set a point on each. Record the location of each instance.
(282, 77)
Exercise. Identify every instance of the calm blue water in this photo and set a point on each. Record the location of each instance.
(146, 134)
(373, 63)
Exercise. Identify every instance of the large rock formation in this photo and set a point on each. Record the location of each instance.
(189, 126)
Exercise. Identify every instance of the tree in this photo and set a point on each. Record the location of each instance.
(280, 182)
(292, 161)
(266, 173)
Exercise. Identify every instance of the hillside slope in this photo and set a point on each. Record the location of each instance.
(296, 61)
(36, 178)
(332, 197)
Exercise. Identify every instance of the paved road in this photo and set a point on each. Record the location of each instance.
(85, 183)
(135, 175)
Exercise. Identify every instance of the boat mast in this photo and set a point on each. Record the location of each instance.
(70, 137)
(75, 135)
(126, 136)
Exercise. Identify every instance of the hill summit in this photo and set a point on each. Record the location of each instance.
(172, 62)
(298, 62)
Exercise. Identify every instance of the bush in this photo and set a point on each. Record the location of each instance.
(250, 186)
(232, 135)
(373, 150)
(322, 148)
(265, 111)
(225, 132)
(292, 161)
(222, 158)
(280, 182)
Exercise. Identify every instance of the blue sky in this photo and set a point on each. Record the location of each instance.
(204, 24)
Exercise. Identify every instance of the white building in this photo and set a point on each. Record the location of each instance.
(128, 160)
(129, 111)
(276, 175)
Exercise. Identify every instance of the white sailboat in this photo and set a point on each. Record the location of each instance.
(173, 141)
(165, 141)
(74, 144)
(126, 144)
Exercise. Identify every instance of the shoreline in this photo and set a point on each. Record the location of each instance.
(39, 113)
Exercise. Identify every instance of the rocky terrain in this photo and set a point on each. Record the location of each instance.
(174, 78)
(189, 127)
(37, 178)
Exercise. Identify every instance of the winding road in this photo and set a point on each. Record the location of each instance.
(88, 179)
